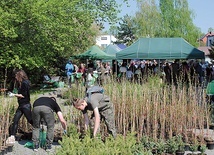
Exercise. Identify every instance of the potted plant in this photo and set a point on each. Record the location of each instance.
(172, 145)
(211, 126)
(202, 149)
(161, 146)
(187, 147)
(193, 148)
(181, 145)
(209, 142)
(149, 144)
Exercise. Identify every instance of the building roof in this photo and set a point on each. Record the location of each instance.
(205, 49)
(207, 35)
(121, 46)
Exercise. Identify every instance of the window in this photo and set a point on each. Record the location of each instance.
(210, 40)
(103, 38)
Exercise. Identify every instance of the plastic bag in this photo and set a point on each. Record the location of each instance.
(42, 138)
(29, 144)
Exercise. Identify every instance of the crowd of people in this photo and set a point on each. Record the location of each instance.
(89, 74)
(171, 72)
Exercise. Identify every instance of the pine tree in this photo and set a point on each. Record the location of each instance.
(125, 31)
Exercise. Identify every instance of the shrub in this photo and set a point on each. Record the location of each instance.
(72, 144)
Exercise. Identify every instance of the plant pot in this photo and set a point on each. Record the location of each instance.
(3, 151)
(210, 145)
(10, 148)
(211, 126)
(187, 147)
(57, 139)
(179, 152)
(154, 151)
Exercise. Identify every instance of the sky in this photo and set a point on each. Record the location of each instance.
(203, 10)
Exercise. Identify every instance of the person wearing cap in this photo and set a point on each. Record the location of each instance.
(102, 107)
(44, 108)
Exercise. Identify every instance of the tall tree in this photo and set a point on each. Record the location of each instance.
(210, 29)
(147, 19)
(125, 33)
(166, 18)
(37, 34)
(178, 20)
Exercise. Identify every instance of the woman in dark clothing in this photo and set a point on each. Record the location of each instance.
(23, 97)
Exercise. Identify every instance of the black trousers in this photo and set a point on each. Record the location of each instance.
(22, 109)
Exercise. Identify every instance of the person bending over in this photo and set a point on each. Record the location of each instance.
(102, 107)
(44, 108)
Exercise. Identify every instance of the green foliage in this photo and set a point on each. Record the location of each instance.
(180, 142)
(177, 20)
(39, 36)
(148, 143)
(166, 18)
(160, 146)
(72, 144)
(172, 145)
(126, 31)
(147, 20)
(175, 143)
(74, 92)
(203, 148)
(194, 147)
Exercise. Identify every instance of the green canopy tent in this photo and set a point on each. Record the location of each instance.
(94, 52)
(160, 48)
(112, 49)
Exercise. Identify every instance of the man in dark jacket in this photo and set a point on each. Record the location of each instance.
(44, 108)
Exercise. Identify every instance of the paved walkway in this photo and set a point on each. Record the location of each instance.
(19, 149)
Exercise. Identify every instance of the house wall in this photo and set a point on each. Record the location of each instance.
(104, 40)
(206, 42)
(210, 40)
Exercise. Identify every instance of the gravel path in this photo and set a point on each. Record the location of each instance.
(19, 149)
